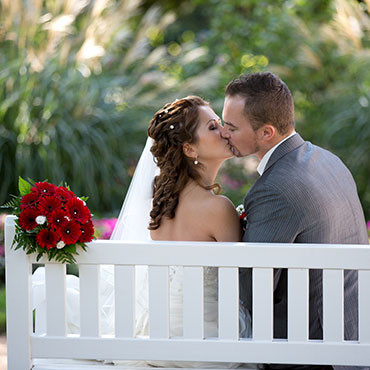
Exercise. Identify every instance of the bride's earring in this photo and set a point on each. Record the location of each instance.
(196, 160)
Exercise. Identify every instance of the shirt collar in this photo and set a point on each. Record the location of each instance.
(262, 165)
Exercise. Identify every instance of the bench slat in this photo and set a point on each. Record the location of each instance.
(298, 304)
(364, 306)
(193, 303)
(124, 298)
(333, 306)
(262, 304)
(90, 300)
(18, 299)
(244, 350)
(158, 302)
(228, 303)
(55, 288)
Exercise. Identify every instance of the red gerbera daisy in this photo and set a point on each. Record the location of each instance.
(49, 204)
(77, 210)
(64, 194)
(27, 218)
(57, 218)
(87, 232)
(29, 200)
(70, 232)
(44, 188)
(47, 238)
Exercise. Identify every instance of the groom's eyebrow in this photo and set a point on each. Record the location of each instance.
(229, 124)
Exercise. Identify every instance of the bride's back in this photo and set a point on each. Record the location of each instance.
(200, 216)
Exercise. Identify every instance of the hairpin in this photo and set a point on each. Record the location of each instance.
(172, 127)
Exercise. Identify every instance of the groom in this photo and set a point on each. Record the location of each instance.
(304, 194)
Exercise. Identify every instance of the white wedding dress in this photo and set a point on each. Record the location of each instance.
(132, 225)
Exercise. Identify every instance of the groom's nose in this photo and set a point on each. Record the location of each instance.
(224, 132)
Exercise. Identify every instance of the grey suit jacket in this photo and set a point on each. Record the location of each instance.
(305, 195)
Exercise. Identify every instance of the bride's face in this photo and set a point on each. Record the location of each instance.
(210, 145)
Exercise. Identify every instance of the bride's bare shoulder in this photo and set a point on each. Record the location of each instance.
(220, 210)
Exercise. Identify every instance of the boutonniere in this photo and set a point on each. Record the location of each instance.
(242, 216)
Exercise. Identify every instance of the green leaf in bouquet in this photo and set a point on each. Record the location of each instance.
(70, 248)
(24, 186)
(39, 256)
(84, 198)
(13, 203)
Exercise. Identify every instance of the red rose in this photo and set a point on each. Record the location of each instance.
(87, 232)
(49, 204)
(27, 218)
(44, 188)
(70, 232)
(64, 194)
(77, 210)
(47, 239)
(29, 200)
(57, 218)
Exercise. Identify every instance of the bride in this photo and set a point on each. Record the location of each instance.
(173, 196)
(183, 154)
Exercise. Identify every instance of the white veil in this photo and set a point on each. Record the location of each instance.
(133, 220)
(132, 225)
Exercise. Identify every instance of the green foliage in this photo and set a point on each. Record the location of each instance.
(321, 49)
(79, 86)
(79, 82)
(2, 309)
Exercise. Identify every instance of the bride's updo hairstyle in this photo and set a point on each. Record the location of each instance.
(171, 127)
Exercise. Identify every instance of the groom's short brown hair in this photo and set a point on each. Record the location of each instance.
(267, 100)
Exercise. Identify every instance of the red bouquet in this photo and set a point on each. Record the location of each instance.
(51, 220)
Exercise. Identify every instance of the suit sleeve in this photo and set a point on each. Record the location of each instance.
(271, 218)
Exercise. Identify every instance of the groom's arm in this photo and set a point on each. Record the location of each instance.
(271, 218)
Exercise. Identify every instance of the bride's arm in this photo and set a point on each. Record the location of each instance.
(225, 221)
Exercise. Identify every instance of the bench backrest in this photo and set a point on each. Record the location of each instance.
(24, 344)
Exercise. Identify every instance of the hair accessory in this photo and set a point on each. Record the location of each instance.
(196, 160)
(166, 111)
(172, 127)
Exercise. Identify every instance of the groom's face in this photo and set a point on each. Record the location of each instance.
(237, 127)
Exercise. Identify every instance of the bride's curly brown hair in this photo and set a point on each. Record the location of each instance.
(171, 127)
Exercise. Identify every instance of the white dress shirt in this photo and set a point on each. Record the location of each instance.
(266, 157)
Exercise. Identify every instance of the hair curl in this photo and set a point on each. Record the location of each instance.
(172, 126)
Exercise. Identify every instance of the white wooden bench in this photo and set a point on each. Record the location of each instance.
(25, 346)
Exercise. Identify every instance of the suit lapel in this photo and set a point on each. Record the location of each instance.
(284, 148)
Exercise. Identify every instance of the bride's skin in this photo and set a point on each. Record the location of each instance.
(201, 215)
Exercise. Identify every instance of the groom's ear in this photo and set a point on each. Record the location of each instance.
(267, 132)
(189, 151)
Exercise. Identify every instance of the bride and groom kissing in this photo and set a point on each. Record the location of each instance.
(304, 194)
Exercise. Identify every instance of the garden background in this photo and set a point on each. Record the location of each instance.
(81, 79)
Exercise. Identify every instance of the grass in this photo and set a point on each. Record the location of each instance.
(2, 310)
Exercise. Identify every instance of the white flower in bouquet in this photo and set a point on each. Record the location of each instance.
(40, 220)
(61, 244)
